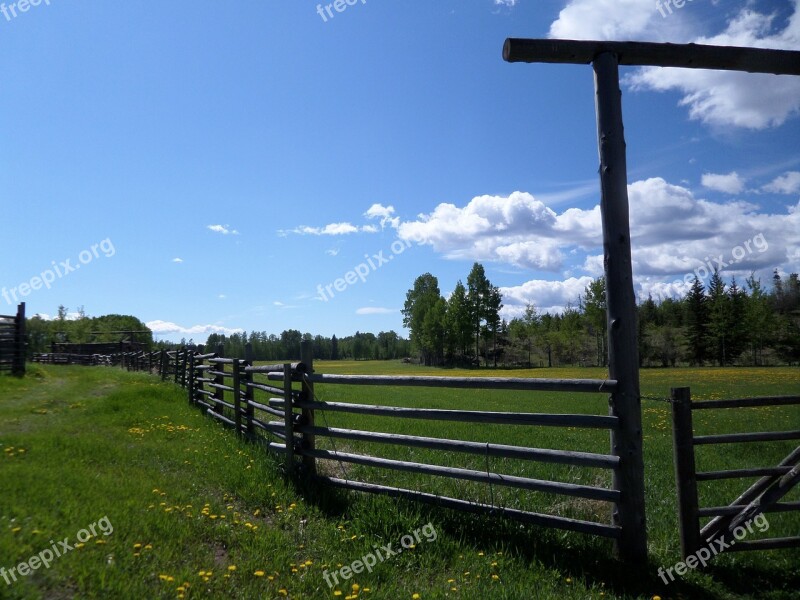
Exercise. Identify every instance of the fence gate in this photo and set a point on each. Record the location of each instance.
(762, 497)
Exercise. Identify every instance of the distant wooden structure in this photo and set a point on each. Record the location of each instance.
(623, 359)
(13, 342)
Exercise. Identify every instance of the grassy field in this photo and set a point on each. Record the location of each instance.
(197, 513)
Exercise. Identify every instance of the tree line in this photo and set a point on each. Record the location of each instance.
(722, 324)
(719, 324)
(271, 347)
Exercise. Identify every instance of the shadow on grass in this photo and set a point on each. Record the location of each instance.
(576, 555)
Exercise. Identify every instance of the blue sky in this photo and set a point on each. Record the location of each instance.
(216, 167)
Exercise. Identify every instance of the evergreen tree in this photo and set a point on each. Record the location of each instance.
(719, 318)
(697, 322)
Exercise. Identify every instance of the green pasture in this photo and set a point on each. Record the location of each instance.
(198, 513)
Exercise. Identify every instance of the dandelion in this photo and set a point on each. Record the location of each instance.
(415, 597)
(231, 567)
(258, 573)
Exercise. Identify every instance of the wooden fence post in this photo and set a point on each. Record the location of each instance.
(249, 392)
(623, 353)
(183, 367)
(219, 394)
(191, 378)
(307, 395)
(237, 398)
(685, 480)
(288, 417)
(162, 367)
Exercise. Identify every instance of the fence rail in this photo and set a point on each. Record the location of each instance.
(13, 342)
(762, 497)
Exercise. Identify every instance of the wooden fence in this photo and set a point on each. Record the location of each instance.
(277, 405)
(762, 497)
(13, 342)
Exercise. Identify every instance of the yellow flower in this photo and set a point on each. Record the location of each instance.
(283, 592)
(415, 597)
(231, 567)
(259, 573)
(356, 587)
(495, 577)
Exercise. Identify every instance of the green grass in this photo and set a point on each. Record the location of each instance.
(103, 442)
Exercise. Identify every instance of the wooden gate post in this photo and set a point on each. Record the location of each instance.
(685, 480)
(623, 354)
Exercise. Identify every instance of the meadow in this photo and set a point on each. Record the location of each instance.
(197, 512)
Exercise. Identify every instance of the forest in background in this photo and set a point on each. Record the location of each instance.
(719, 324)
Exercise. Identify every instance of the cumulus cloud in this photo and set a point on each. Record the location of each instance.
(516, 229)
(722, 98)
(673, 232)
(177, 260)
(717, 98)
(788, 183)
(223, 229)
(603, 19)
(732, 183)
(384, 213)
(168, 327)
(546, 296)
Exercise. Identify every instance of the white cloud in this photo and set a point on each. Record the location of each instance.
(330, 229)
(375, 310)
(672, 231)
(603, 19)
(788, 183)
(546, 296)
(222, 296)
(517, 229)
(723, 98)
(332, 251)
(732, 183)
(223, 229)
(384, 213)
(177, 260)
(717, 98)
(509, 3)
(168, 327)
